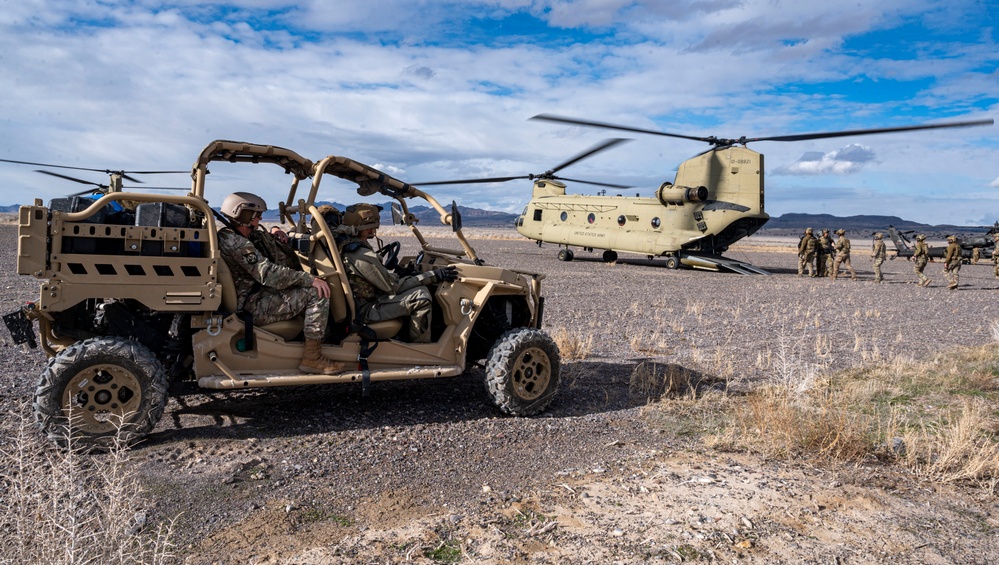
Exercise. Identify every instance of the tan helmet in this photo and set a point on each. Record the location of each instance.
(242, 206)
(808, 231)
(362, 216)
(920, 237)
(840, 232)
(825, 232)
(879, 235)
(952, 238)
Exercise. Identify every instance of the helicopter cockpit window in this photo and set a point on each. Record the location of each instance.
(591, 218)
(655, 222)
(621, 220)
(563, 216)
(537, 214)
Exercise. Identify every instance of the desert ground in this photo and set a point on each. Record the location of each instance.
(431, 472)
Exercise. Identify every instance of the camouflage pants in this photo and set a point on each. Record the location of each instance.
(806, 259)
(843, 259)
(996, 269)
(951, 272)
(414, 303)
(269, 305)
(821, 265)
(920, 264)
(877, 269)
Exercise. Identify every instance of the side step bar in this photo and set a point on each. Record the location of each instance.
(231, 381)
(717, 263)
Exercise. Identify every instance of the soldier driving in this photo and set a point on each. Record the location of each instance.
(380, 294)
(270, 283)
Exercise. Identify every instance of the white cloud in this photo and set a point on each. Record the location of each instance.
(995, 183)
(847, 160)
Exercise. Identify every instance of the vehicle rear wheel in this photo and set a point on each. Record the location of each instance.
(94, 388)
(565, 255)
(672, 262)
(522, 372)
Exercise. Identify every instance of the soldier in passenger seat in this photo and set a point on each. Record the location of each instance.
(270, 282)
(380, 294)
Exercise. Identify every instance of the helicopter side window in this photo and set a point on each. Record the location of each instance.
(537, 214)
(621, 220)
(591, 218)
(655, 223)
(563, 216)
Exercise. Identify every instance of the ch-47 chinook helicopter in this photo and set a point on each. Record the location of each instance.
(715, 200)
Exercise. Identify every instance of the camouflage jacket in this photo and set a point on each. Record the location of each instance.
(807, 245)
(251, 269)
(369, 278)
(953, 255)
(843, 246)
(921, 251)
(825, 245)
(878, 250)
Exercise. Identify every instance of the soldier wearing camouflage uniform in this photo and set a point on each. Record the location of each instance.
(995, 255)
(952, 262)
(823, 255)
(806, 253)
(843, 255)
(270, 283)
(380, 294)
(920, 257)
(878, 253)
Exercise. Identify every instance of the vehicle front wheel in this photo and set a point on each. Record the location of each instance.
(565, 255)
(522, 372)
(672, 262)
(100, 388)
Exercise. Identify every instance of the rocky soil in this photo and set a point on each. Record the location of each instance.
(429, 472)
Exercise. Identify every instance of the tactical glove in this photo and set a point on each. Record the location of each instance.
(446, 274)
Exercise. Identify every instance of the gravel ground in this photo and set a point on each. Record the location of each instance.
(322, 475)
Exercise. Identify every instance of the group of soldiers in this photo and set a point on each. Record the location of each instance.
(823, 257)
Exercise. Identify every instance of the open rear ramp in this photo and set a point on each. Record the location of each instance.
(718, 263)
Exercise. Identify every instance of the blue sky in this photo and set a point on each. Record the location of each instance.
(443, 90)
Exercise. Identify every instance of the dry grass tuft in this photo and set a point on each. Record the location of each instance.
(71, 507)
(572, 345)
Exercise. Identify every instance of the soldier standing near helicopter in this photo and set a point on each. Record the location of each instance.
(952, 261)
(995, 255)
(921, 256)
(806, 253)
(843, 255)
(878, 256)
(824, 254)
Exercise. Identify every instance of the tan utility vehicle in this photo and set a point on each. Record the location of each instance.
(136, 299)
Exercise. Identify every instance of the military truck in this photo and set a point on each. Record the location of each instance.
(136, 303)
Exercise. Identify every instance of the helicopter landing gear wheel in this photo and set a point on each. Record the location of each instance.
(672, 262)
(98, 389)
(565, 255)
(522, 371)
(610, 256)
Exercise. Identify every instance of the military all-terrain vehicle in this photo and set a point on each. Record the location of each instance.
(136, 303)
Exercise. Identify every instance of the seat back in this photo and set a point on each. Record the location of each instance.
(229, 299)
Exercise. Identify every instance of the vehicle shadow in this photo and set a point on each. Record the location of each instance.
(587, 388)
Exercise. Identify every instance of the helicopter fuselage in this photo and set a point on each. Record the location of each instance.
(715, 200)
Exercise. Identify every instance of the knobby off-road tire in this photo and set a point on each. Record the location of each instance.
(522, 372)
(98, 386)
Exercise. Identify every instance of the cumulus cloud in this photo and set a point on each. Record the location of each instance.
(995, 183)
(849, 159)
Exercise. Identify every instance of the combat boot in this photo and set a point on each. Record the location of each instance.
(313, 360)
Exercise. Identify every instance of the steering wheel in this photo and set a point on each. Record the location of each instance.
(389, 255)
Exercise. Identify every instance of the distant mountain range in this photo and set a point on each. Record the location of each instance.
(786, 224)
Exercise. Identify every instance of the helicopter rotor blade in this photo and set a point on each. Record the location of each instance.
(602, 146)
(471, 181)
(157, 187)
(105, 171)
(81, 181)
(606, 125)
(607, 184)
(823, 135)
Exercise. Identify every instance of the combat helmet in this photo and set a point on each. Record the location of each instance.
(840, 231)
(920, 237)
(808, 231)
(879, 235)
(241, 207)
(362, 216)
(952, 238)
